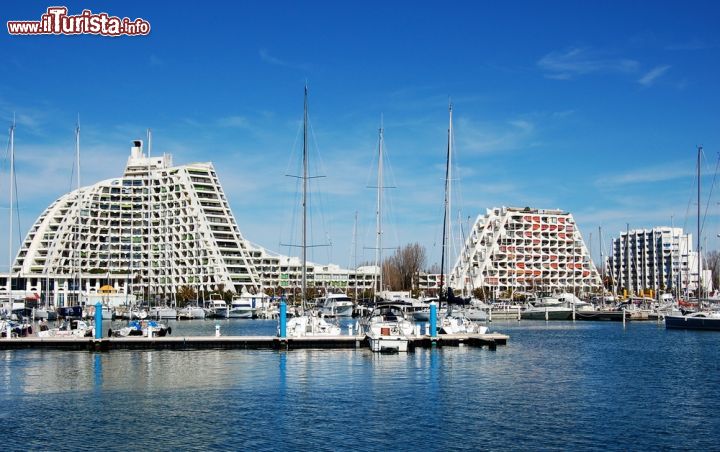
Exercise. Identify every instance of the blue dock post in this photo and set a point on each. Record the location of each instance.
(98, 321)
(283, 319)
(433, 319)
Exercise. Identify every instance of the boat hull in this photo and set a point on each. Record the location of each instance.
(388, 344)
(550, 314)
(692, 323)
(614, 316)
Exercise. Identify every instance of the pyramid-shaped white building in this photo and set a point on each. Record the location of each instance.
(155, 229)
(524, 249)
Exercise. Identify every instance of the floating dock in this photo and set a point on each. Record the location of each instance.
(490, 340)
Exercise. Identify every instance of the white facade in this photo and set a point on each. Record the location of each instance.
(510, 249)
(155, 229)
(658, 259)
(285, 273)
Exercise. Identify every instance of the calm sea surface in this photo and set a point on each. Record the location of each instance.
(557, 385)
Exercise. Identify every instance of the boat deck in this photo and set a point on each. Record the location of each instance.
(491, 340)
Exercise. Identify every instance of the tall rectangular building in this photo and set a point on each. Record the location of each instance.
(658, 259)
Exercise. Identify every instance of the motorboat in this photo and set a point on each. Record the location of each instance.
(68, 328)
(144, 328)
(311, 324)
(217, 308)
(336, 305)
(191, 312)
(246, 305)
(456, 322)
(387, 329)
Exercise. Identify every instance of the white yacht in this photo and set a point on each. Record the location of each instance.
(246, 305)
(387, 329)
(217, 308)
(455, 322)
(337, 305)
(311, 325)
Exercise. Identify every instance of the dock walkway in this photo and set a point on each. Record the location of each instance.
(491, 341)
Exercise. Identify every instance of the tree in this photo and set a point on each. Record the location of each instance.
(712, 263)
(478, 293)
(185, 294)
(399, 269)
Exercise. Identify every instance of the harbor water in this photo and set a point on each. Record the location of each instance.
(556, 385)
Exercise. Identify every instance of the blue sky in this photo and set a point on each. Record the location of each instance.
(591, 107)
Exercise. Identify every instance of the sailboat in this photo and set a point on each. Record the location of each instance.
(386, 327)
(454, 321)
(308, 323)
(702, 319)
(9, 327)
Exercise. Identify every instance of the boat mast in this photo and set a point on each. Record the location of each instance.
(79, 207)
(699, 280)
(12, 200)
(627, 259)
(378, 211)
(149, 219)
(354, 261)
(447, 208)
(304, 198)
(602, 263)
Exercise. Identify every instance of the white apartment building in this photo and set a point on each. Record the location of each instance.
(658, 259)
(149, 232)
(511, 249)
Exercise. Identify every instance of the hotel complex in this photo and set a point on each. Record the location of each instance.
(155, 229)
(658, 259)
(523, 249)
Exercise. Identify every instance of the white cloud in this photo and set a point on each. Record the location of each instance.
(491, 137)
(270, 59)
(650, 174)
(233, 121)
(564, 65)
(650, 77)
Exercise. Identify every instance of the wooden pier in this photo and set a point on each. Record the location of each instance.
(491, 341)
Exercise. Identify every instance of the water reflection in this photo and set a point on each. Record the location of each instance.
(549, 380)
(98, 373)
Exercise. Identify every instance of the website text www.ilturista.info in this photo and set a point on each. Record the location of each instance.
(57, 22)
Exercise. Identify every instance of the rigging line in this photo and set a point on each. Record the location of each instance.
(293, 212)
(712, 186)
(389, 201)
(17, 208)
(319, 166)
(6, 162)
(690, 200)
